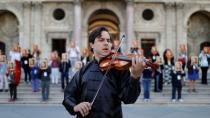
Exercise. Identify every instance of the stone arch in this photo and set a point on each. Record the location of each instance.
(2, 47)
(17, 12)
(9, 29)
(197, 31)
(109, 7)
(92, 8)
(107, 18)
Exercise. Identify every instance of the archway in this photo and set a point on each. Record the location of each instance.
(9, 31)
(106, 18)
(198, 31)
(2, 47)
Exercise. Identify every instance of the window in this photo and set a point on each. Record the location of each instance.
(59, 14)
(148, 14)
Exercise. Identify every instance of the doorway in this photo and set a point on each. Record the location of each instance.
(59, 45)
(2, 47)
(146, 45)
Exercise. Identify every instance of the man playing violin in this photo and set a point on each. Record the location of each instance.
(85, 98)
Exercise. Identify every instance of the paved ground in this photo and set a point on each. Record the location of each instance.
(131, 111)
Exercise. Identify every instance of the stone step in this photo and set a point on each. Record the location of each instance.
(53, 93)
(32, 101)
(32, 94)
(30, 89)
(168, 101)
(139, 101)
(37, 97)
(152, 86)
(165, 90)
(141, 96)
(199, 92)
(184, 96)
(26, 96)
(22, 93)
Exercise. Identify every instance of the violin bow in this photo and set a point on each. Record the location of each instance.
(109, 67)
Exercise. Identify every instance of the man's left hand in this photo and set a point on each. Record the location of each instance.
(137, 67)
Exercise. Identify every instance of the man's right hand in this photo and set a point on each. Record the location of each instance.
(83, 108)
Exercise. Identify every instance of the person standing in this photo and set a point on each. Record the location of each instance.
(204, 64)
(73, 53)
(3, 70)
(168, 66)
(193, 72)
(158, 75)
(154, 56)
(183, 58)
(12, 82)
(25, 64)
(64, 70)
(177, 78)
(44, 75)
(118, 86)
(55, 64)
(36, 54)
(146, 80)
(34, 74)
(16, 59)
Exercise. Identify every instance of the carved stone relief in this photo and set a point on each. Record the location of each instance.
(156, 22)
(51, 22)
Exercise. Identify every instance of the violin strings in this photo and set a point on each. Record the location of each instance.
(109, 67)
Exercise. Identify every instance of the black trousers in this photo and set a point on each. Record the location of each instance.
(179, 90)
(13, 91)
(27, 74)
(204, 75)
(64, 80)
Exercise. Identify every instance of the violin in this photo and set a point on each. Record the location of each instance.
(122, 62)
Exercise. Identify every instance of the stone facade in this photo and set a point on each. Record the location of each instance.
(169, 24)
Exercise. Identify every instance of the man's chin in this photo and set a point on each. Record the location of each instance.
(104, 54)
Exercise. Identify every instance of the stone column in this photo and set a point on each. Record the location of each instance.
(25, 39)
(171, 27)
(38, 23)
(181, 37)
(77, 22)
(129, 22)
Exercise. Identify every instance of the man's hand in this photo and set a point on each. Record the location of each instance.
(137, 67)
(83, 108)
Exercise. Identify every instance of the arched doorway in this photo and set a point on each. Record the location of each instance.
(2, 47)
(106, 18)
(9, 32)
(198, 31)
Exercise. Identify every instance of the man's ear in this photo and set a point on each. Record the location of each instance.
(91, 45)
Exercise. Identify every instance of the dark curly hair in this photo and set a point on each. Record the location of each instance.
(96, 33)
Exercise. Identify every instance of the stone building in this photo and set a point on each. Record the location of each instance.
(52, 24)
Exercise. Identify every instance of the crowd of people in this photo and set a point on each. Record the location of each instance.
(40, 73)
(175, 72)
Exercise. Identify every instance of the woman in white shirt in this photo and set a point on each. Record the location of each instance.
(15, 57)
(203, 61)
